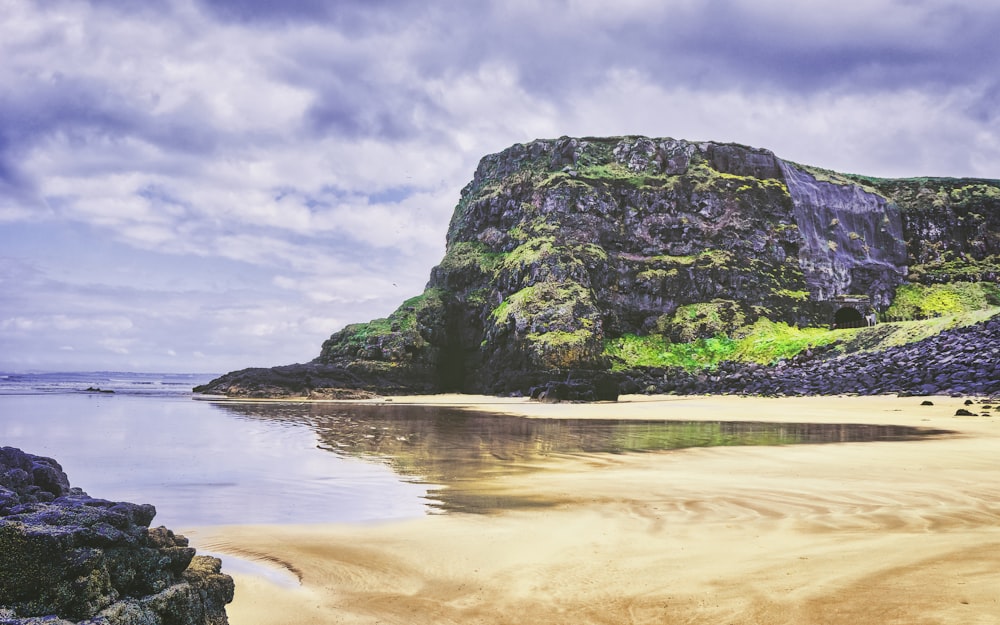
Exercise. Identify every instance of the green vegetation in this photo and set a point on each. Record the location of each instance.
(550, 301)
(466, 255)
(702, 320)
(952, 267)
(708, 179)
(655, 350)
(531, 252)
(708, 258)
(667, 259)
(478, 297)
(962, 195)
(656, 275)
(618, 173)
(559, 348)
(792, 294)
(887, 335)
(391, 335)
(833, 177)
(918, 301)
(558, 322)
(766, 342)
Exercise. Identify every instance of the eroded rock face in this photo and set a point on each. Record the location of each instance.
(66, 557)
(851, 238)
(557, 245)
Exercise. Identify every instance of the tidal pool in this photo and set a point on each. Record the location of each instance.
(455, 451)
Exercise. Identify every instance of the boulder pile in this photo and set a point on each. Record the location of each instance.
(961, 361)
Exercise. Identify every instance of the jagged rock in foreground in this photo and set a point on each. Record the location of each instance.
(558, 246)
(66, 557)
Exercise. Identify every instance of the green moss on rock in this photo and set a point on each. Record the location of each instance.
(919, 301)
(463, 256)
(702, 320)
(394, 338)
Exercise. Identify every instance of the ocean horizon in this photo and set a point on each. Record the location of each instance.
(129, 382)
(145, 438)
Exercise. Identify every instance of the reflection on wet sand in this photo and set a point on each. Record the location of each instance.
(460, 450)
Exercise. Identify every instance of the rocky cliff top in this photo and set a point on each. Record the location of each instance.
(558, 246)
(66, 557)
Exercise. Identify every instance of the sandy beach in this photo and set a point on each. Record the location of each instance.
(847, 533)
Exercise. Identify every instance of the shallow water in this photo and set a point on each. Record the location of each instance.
(456, 451)
(200, 465)
(211, 463)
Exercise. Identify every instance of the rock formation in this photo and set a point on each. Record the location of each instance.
(557, 246)
(66, 557)
(963, 361)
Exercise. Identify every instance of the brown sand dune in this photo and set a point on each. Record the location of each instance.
(852, 533)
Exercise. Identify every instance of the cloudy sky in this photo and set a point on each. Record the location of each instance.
(204, 185)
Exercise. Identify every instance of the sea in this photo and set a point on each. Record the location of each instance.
(146, 438)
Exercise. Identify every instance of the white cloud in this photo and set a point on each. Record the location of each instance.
(66, 323)
(120, 347)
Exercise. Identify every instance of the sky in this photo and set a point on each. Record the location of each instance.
(207, 185)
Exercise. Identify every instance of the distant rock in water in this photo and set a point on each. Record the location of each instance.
(66, 557)
(557, 247)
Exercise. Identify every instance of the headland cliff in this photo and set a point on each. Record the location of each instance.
(571, 263)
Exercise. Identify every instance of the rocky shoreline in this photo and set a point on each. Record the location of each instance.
(67, 557)
(962, 361)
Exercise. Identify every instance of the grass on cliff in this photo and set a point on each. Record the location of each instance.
(402, 322)
(766, 342)
(915, 301)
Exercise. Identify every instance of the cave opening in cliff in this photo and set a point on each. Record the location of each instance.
(452, 367)
(848, 317)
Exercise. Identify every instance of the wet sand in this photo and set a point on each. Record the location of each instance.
(852, 533)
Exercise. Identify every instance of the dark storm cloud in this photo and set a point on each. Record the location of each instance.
(722, 44)
(11, 180)
(354, 100)
(68, 105)
(353, 14)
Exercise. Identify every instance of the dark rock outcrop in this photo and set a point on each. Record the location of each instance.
(66, 557)
(557, 246)
(312, 380)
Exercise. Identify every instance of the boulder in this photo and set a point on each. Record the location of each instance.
(66, 557)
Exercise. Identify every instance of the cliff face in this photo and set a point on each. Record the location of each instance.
(557, 245)
(951, 226)
(852, 239)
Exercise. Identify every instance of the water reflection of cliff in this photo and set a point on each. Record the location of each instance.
(459, 449)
